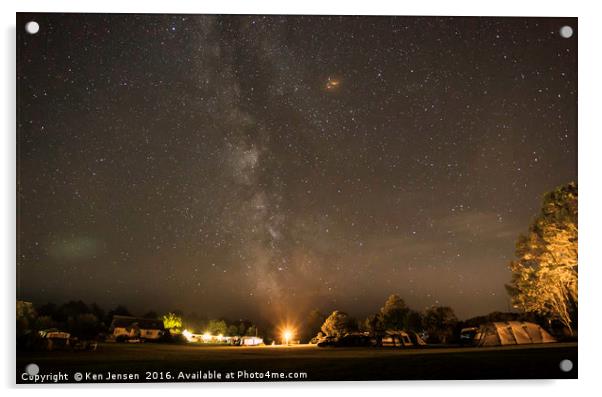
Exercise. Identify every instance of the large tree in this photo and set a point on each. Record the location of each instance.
(414, 321)
(394, 313)
(232, 330)
(252, 331)
(544, 275)
(120, 310)
(217, 327)
(439, 322)
(337, 324)
(374, 324)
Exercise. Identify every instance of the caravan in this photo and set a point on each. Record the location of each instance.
(398, 338)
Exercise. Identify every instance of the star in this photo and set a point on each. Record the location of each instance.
(332, 84)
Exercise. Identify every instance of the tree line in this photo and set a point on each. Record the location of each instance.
(438, 323)
(89, 321)
(176, 322)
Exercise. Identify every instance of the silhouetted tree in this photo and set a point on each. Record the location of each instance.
(251, 331)
(374, 324)
(194, 323)
(84, 325)
(120, 310)
(71, 309)
(99, 313)
(217, 327)
(440, 322)
(151, 314)
(394, 313)
(47, 309)
(232, 330)
(414, 321)
(44, 322)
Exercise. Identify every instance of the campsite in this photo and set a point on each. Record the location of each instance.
(534, 361)
(349, 197)
(138, 349)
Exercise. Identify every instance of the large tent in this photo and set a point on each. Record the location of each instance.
(511, 333)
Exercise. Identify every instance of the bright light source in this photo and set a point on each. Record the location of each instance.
(188, 335)
(287, 334)
(220, 337)
(206, 337)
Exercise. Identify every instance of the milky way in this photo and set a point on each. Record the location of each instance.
(257, 167)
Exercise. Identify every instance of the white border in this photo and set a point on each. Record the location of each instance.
(590, 66)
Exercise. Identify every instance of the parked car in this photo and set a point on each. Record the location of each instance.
(396, 338)
(53, 339)
(327, 341)
(467, 336)
(350, 340)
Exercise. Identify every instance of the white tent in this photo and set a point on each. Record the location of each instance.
(251, 341)
(511, 333)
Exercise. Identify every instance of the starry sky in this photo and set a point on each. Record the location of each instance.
(261, 166)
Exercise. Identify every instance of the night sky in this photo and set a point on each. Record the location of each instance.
(258, 167)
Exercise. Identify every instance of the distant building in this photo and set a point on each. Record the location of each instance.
(251, 341)
(134, 327)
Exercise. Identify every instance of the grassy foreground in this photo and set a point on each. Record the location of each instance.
(189, 363)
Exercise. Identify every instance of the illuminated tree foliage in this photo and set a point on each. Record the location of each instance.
(544, 275)
(337, 324)
(172, 322)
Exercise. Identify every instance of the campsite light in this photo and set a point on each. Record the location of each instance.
(206, 337)
(188, 335)
(220, 337)
(287, 335)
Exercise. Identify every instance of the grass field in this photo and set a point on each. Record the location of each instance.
(156, 362)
